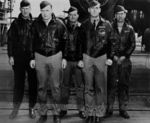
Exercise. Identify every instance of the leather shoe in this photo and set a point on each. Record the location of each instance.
(57, 119)
(97, 120)
(62, 113)
(14, 113)
(42, 119)
(124, 114)
(108, 114)
(32, 113)
(82, 114)
(90, 119)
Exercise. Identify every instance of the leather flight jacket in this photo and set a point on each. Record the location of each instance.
(18, 36)
(73, 31)
(125, 41)
(48, 39)
(97, 41)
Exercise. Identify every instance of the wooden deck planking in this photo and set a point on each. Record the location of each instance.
(72, 117)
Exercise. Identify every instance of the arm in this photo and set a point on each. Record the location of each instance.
(65, 45)
(81, 37)
(132, 44)
(111, 45)
(32, 35)
(10, 34)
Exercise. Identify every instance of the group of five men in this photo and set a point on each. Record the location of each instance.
(50, 51)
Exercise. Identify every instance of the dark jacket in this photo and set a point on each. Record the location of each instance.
(73, 35)
(146, 39)
(48, 40)
(125, 42)
(97, 42)
(18, 36)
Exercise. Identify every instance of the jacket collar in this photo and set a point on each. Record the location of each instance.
(100, 19)
(21, 18)
(126, 22)
(69, 25)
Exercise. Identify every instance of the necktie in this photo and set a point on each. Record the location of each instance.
(73, 26)
(94, 24)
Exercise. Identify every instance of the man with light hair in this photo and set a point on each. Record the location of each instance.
(49, 46)
(97, 49)
(19, 58)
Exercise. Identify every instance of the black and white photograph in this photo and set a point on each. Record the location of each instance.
(74, 61)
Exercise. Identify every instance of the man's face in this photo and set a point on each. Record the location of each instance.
(94, 11)
(25, 11)
(46, 12)
(73, 16)
(121, 16)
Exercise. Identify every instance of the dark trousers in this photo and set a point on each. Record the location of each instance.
(49, 71)
(72, 69)
(94, 72)
(21, 68)
(118, 81)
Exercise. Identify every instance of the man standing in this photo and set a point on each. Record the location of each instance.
(97, 49)
(119, 74)
(48, 51)
(72, 65)
(18, 52)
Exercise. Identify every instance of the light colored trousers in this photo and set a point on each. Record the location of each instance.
(95, 77)
(49, 71)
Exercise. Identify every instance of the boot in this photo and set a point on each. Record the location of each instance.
(82, 114)
(124, 114)
(98, 120)
(42, 119)
(14, 113)
(90, 119)
(63, 113)
(109, 112)
(57, 119)
(32, 113)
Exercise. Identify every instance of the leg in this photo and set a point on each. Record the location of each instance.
(65, 86)
(123, 85)
(65, 89)
(88, 72)
(42, 78)
(56, 79)
(100, 85)
(111, 85)
(19, 83)
(79, 85)
(32, 82)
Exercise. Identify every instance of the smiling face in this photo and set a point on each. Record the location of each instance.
(120, 16)
(73, 16)
(95, 10)
(25, 11)
(46, 12)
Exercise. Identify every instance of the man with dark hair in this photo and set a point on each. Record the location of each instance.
(97, 49)
(119, 74)
(18, 52)
(72, 68)
(49, 46)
